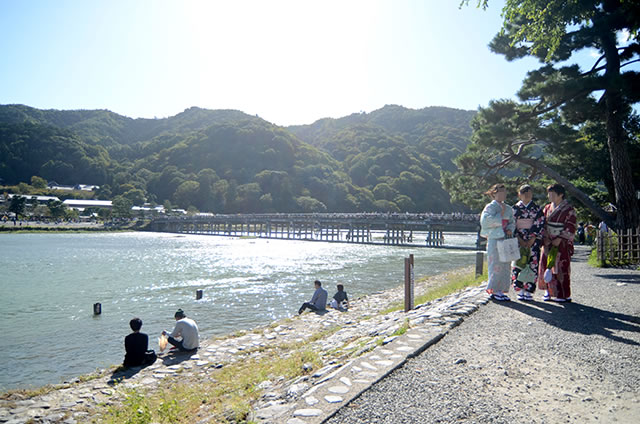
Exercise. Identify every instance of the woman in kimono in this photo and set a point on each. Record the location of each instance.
(559, 231)
(496, 223)
(529, 230)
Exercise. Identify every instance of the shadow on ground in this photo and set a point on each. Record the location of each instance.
(621, 278)
(174, 357)
(583, 319)
(121, 373)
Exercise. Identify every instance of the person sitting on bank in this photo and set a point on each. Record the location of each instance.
(318, 301)
(136, 347)
(185, 336)
(340, 300)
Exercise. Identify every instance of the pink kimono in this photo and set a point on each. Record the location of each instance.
(561, 222)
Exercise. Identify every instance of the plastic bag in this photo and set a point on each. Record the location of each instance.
(162, 342)
(508, 250)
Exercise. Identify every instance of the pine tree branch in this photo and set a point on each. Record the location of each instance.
(572, 189)
(629, 63)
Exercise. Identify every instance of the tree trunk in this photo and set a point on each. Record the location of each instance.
(628, 215)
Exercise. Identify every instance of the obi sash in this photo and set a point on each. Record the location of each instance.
(524, 223)
(555, 228)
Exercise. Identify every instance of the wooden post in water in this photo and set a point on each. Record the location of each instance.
(198, 294)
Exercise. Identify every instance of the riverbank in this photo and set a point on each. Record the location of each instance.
(526, 362)
(45, 227)
(255, 370)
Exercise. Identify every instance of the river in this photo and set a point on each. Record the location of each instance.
(50, 281)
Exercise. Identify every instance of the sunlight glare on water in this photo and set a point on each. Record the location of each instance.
(51, 281)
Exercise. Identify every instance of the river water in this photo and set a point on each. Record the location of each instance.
(49, 283)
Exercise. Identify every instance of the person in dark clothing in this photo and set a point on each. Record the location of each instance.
(581, 233)
(340, 300)
(136, 347)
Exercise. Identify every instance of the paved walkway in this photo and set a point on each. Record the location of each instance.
(517, 362)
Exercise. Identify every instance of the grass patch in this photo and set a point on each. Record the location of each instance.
(593, 260)
(454, 285)
(48, 388)
(19, 394)
(403, 328)
(225, 395)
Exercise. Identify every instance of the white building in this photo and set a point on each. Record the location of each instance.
(81, 204)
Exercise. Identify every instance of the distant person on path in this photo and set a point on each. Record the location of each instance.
(560, 229)
(318, 301)
(340, 300)
(529, 230)
(496, 223)
(581, 233)
(603, 227)
(185, 336)
(136, 347)
(591, 233)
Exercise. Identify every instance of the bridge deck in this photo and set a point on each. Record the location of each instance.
(398, 230)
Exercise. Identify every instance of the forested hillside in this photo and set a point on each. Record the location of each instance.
(226, 161)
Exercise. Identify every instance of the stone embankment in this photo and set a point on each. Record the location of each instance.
(375, 342)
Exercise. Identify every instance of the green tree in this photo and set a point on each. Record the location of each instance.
(512, 146)
(38, 182)
(553, 31)
(309, 204)
(70, 213)
(23, 188)
(42, 211)
(136, 196)
(384, 191)
(186, 194)
(18, 205)
(168, 207)
(121, 207)
(248, 198)
(386, 206)
(56, 208)
(104, 213)
(220, 190)
(405, 204)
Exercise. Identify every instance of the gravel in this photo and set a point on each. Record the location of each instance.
(516, 362)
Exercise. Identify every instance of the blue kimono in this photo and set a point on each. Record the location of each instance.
(493, 226)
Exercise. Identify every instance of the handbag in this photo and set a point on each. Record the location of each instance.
(508, 250)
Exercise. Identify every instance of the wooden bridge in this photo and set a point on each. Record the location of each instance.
(417, 230)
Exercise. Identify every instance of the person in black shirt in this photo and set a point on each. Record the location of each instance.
(340, 299)
(136, 347)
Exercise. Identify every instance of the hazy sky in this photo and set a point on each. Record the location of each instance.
(290, 62)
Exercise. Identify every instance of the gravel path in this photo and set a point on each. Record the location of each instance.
(515, 362)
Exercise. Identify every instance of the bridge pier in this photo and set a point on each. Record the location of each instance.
(435, 237)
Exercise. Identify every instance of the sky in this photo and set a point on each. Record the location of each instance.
(289, 62)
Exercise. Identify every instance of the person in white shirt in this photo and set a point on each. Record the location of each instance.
(185, 335)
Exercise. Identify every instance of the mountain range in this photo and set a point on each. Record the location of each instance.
(226, 161)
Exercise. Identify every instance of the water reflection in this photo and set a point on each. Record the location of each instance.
(51, 281)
